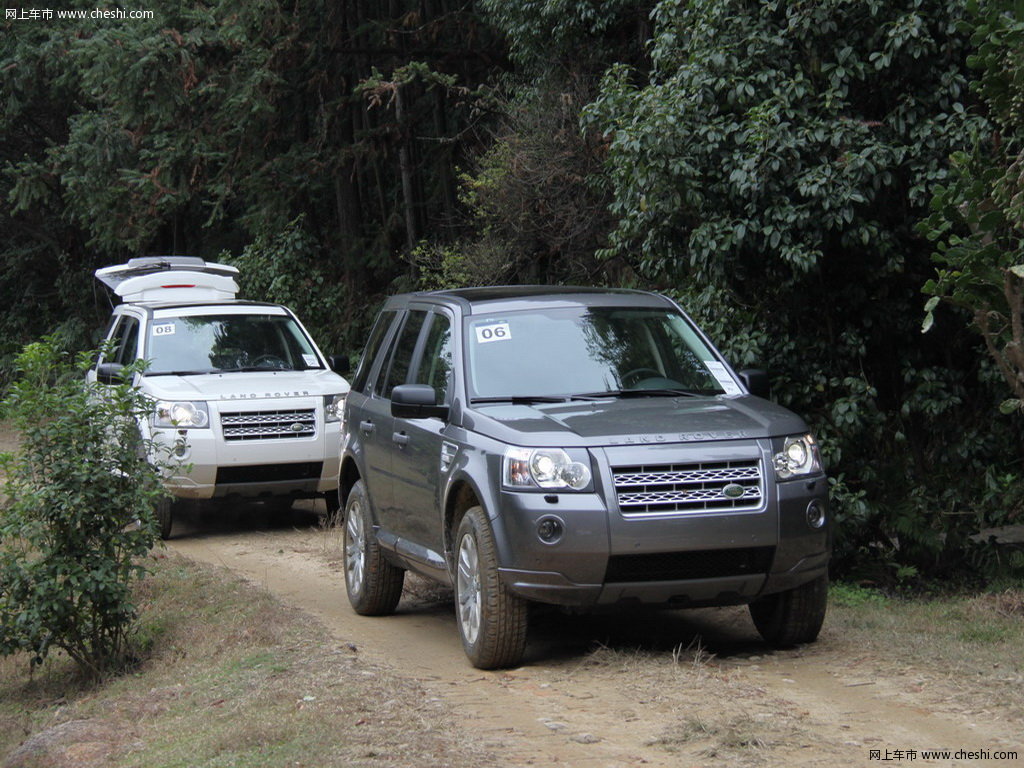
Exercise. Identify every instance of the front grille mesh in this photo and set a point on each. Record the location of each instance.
(269, 425)
(727, 486)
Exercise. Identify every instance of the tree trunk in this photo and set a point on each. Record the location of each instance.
(405, 168)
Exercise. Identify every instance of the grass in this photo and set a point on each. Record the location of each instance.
(937, 627)
(233, 679)
(972, 643)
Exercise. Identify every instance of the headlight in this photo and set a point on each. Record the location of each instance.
(799, 456)
(543, 468)
(181, 414)
(333, 406)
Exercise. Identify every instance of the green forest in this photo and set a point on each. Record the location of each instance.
(833, 189)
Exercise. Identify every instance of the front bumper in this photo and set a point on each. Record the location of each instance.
(205, 465)
(604, 557)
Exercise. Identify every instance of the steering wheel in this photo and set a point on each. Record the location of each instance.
(273, 362)
(638, 374)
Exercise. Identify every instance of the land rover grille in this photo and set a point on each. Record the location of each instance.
(268, 425)
(714, 486)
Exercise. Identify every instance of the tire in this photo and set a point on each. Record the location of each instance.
(373, 584)
(794, 616)
(164, 513)
(492, 622)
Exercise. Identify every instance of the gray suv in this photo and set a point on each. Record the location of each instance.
(579, 447)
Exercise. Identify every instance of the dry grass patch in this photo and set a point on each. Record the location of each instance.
(731, 739)
(1009, 603)
(235, 678)
(967, 652)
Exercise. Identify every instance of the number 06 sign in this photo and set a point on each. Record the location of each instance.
(494, 332)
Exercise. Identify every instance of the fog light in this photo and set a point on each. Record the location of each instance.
(550, 529)
(815, 514)
(180, 449)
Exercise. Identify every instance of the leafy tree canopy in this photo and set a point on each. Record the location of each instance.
(770, 169)
(978, 218)
(214, 124)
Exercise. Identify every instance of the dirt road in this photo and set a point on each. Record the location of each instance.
(677, 688)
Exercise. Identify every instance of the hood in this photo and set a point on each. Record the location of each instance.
(255, 385)
(626, 422)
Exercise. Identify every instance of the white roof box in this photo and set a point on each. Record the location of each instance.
(170, 278)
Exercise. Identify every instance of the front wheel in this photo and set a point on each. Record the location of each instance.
(794, 616)
(373, 584)
(165, 506)
(492, 621)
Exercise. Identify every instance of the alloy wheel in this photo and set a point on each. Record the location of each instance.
(468, 585)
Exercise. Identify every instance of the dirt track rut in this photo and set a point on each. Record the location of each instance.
(670, 689)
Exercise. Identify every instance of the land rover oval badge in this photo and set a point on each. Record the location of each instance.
(297, 426)
(733, 491)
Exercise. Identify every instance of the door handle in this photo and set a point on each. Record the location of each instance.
(401, 438)
(367, 427)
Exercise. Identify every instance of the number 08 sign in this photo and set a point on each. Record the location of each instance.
(493, 332)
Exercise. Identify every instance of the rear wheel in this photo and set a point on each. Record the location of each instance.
(373, 584)
(492, 622)
(794, 616)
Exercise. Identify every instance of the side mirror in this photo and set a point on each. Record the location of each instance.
(756, 381)
(416, 401)
(110, 373)
(339, 364)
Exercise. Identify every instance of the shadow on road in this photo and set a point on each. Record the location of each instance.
(225, 518)
(557, 638)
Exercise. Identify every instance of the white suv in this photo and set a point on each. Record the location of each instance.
(243, 398)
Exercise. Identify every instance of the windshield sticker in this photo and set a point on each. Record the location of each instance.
(164, 329)
(309, 360)
(494, 332)
(723, 378)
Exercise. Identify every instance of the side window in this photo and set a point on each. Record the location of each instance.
(436, 365)
(107, 335)
(380, 330)
(128, 347)
(124, 342)
(401, 361)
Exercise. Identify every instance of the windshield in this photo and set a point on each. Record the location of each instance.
(589, 351)
(224, 343)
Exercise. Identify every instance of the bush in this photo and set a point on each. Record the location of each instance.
(80, 498)
(288, 266)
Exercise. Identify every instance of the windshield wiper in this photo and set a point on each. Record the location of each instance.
(638, 393)
(181, 373)
(520, 399)
(254, 368)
